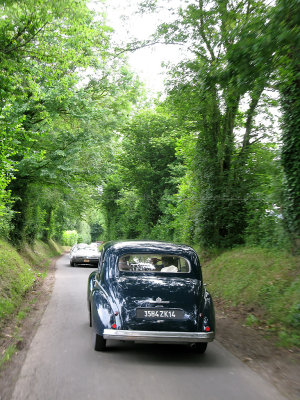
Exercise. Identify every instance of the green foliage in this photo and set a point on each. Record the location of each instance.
(201, 167)
(232, 188)
(39, 253)
(40, 45)
(7, 354)
(135, 197)
(207, 92)
(63, 95)
(266, 228)
(265, 280)
(82, 160)
(109, 196)
(19, 271)
(265, 224)
(16, 277)
(184, 204)
(286, 16)
(252, 320)
(69, 238)
(6, 213)
(97, 231)
(84, 232)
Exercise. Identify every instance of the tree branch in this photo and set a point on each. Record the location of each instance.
(250, 116)
(205, 39)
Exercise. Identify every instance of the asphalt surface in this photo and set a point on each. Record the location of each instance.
(62, 365)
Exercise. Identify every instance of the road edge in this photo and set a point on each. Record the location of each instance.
(37, 300)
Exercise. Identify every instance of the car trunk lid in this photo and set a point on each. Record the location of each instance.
(157, 303)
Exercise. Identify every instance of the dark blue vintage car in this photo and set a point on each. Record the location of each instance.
(150, 291)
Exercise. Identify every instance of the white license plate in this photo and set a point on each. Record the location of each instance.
(159, 313)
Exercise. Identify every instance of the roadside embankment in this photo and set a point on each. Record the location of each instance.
(21, 273)
(263, 285)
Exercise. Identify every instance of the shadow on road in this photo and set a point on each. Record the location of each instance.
(150, 354)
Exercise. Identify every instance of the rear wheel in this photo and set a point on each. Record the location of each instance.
(200, 347)
(90, 315)
(100, 343)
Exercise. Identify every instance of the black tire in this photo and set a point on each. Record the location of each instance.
(100, 343)
(90, 315)
(200, 347)
(75, 265)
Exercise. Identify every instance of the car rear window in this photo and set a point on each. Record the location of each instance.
(151, 263)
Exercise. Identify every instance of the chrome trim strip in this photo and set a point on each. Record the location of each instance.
(159, 336)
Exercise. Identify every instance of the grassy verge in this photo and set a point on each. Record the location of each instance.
(20, 271)
(266, 282)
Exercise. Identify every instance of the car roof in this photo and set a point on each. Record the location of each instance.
(147, 246)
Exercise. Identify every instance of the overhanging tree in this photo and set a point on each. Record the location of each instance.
(286, 19)
(49, 120)
(217, 92)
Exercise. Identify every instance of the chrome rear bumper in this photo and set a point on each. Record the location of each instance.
(159, 336)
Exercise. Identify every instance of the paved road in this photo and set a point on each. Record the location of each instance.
(62, 365)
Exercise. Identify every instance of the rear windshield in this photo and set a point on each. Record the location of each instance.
(153, 263)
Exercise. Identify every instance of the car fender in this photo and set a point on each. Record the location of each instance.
(103, 316)
(90, 287)
(208, 318)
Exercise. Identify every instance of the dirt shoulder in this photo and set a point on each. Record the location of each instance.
(279, 366)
